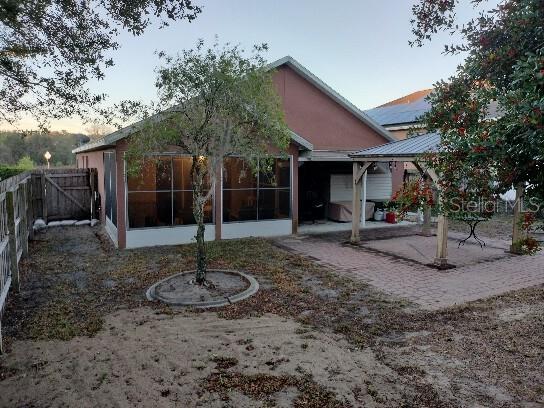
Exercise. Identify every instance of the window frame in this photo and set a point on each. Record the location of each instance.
(171, 191)
(257, 188)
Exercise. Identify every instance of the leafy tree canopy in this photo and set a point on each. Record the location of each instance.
(491, 112)
(212, 102)
(49, 49)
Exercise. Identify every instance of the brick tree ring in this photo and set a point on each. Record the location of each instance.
(227, 287)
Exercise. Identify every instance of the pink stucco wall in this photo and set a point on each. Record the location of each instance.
(318, 118)
(308, 112)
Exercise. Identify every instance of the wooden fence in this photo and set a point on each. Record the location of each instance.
(62, 194)
(54, 194)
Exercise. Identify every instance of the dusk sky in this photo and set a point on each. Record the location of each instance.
(358, 47)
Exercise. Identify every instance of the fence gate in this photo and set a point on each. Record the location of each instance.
(61, 194)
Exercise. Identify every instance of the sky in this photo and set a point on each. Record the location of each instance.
(358, 47)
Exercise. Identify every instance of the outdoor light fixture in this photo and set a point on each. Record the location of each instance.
(47, 156)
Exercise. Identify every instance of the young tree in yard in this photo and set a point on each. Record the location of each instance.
(212, 103)
(49, 49)
(502, 77)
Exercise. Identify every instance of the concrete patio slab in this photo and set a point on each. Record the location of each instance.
(479, 277)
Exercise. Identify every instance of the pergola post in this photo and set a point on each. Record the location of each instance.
(518, 208)
(356, 204)
(441, 259)
(359, 180)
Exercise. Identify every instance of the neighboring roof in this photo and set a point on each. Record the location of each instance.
(400, 113)
(408, 109)
(326, 89)
(411, 147)
(112, 138)
(414, 96)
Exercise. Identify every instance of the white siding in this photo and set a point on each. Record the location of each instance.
(146, 237)
(265, 228)
(379, 187)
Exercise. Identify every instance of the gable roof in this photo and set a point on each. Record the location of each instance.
(413, 146)
(331, 93)
(112, 138)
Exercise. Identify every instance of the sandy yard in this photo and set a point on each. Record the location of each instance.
(81, 334)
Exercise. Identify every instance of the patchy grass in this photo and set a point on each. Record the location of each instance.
(262, 387)
(74, 278)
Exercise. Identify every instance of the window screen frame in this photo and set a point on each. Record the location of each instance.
(257, 188)
(171, 191)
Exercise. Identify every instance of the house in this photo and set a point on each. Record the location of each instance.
(155, 209)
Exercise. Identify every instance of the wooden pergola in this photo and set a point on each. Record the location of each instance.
(410, 150)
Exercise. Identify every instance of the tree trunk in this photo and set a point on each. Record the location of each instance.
(198, 173)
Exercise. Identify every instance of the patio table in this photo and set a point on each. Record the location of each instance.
(472, 223)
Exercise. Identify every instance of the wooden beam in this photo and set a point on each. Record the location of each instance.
(441, 259)
(362, 168)
(356, 203)
(386, 159)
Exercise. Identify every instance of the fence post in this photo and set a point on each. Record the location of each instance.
(29, 209)
(12, 240)
(44, 197)
(92, 184)
(22, 198)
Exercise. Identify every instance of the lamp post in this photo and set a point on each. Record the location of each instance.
(47, 156)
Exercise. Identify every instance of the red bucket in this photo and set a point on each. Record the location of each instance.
(391, 218)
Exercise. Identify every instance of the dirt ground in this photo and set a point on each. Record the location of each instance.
(81, 334)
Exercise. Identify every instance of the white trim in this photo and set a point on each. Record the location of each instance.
(137, 238)
(301, 141)
(264, 228)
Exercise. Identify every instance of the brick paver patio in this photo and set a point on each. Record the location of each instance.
(428, 287)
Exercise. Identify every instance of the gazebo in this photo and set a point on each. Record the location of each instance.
(408, 150)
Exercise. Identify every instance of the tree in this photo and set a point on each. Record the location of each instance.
(212, 103)
(49, 49)
(25, 163)
(97, 130)
(491, 112)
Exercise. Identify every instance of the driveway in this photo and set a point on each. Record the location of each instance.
(396, 265)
